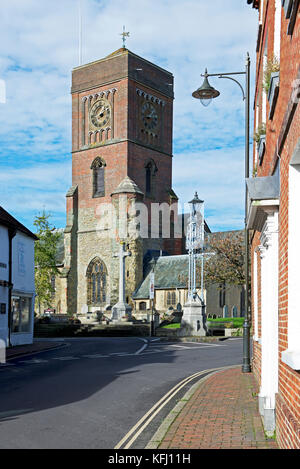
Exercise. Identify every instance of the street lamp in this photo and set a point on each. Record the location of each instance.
(195, 241)
(206, 93)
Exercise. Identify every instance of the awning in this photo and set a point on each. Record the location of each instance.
(263, 195)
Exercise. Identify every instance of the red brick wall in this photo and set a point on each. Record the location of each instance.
(124, 154)
(282, 134)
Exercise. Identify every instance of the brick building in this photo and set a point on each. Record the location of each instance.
(122, 116)
(274, 218)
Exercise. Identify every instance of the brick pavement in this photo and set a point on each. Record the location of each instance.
(221, 414)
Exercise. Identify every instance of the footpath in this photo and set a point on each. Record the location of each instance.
(219, 412)
(36, 347)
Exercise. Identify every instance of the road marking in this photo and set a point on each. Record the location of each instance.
(96, 355)
(149, 416)
(66, 358)
(142, 348)
(183, 347)
(33, 361)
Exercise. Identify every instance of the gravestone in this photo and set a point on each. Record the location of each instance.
(225, 312)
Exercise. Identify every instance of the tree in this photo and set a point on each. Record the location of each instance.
(227, 265)
(45, 258)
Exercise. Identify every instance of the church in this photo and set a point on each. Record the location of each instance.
(122, 113)
(121, 193)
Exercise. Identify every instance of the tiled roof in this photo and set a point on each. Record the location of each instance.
(169, 272)
(10, 222)
(127, 186)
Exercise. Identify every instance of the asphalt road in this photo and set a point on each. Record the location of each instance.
(91, 393)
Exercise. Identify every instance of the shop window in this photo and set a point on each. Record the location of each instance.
(21, 314)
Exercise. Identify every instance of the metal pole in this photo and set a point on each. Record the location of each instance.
(246, 367)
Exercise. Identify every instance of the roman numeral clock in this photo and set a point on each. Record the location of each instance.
(100, 114)
(150, 119)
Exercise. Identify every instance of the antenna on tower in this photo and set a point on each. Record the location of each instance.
(80, 30)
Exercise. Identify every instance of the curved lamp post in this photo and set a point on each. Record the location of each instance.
(206, 93)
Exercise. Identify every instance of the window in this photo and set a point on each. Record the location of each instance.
(21, 313)
(148, 179)
(222, 295)
(150, 172)
(96, 283)
(171, 298)
(98, 168)
(142, 306)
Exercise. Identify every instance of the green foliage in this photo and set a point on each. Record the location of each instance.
(45, 258)
(273, 65)
(261, 130)
(228, 323)
(172, 326)
(227, 265)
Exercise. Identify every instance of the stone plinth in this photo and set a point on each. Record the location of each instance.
(120, 310)
(194, 318)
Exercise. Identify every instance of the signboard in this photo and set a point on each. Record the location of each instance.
(21, 259)
(152, 290)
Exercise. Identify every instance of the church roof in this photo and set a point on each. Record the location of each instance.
(127, 186)
(170, 272)
(122, 50)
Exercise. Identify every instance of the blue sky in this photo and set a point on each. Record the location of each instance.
(39, 48)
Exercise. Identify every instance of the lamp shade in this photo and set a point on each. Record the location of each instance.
(206, 92)
(196, 203)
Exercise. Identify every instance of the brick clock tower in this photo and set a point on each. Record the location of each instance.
(122, 112)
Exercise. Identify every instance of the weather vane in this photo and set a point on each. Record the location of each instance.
(124, 34)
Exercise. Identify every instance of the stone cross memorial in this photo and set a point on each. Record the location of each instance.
(121, 309)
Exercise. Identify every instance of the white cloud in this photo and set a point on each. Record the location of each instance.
(39, 47)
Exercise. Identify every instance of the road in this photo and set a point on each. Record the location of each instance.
(91, 392)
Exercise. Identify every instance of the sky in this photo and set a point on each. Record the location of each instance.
(39, 49)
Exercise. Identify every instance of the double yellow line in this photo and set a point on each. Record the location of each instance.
(140, 426)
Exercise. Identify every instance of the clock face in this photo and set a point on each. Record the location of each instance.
(100, 114)
(149, 116)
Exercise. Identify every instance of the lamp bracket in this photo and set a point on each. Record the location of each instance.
(228, 75)
(233, 79)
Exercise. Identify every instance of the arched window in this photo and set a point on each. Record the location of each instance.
(96, 282)
(150, 172)
(171, 298)
(142, 306)
(98, 167)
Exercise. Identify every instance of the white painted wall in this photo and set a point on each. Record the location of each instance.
(292, 355)
(255, 296)
(4, 272)
(23, 279)
(277, 28)
(269, 320)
